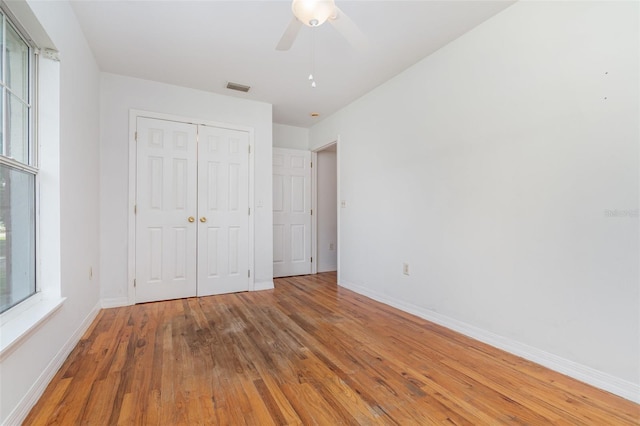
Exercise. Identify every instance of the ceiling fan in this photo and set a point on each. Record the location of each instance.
(314, 13)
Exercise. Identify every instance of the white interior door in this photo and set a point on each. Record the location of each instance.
(223, 211)
(166, 208)
(192, 210)
(291, 212)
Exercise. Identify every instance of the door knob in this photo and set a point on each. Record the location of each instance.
(203, 219)
(191, 219)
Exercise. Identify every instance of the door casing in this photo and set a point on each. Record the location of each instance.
(314, 203)
(131, 258)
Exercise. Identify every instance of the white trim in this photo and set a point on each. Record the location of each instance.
(252, 206)
(599, 379)
(48, 230)
(338, 206)
(21, 411)
(27, 21)
(133, 158)
(14, 164)
(263, 285)
(133, 116)
(19, 322)
(115, 302)
(314, 203)
(18, 309)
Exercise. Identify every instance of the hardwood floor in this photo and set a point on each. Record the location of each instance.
(307, 352)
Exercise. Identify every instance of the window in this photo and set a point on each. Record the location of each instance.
(18, 171)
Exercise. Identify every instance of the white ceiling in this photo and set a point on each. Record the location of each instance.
(205, 44)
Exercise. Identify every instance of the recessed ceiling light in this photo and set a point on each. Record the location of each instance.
(315, 114)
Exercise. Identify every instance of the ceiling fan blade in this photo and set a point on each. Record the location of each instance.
(289, 35)
(348, 29)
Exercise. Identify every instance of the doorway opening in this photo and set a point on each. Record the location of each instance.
(325, 201)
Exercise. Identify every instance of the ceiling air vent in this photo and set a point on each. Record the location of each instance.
(238, 87)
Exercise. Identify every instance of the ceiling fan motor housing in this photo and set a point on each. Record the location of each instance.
(313, 13)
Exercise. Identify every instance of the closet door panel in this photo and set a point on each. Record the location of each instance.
(166, 198)
(223, 211)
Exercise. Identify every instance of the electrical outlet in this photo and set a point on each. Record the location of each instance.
(405, 268)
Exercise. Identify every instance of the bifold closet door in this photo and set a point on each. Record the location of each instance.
(166, 209)
(223, 211)
(192, 210)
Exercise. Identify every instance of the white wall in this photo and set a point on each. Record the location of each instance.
(326, 211)
(27, 368)
(490, 167)
(290, 137)
(119, 94)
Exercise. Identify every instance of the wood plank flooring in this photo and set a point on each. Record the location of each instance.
(308, 352)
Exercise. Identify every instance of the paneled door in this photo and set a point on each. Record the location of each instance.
(192, 210)
(291, 212)
(166, 210)
(223, 210)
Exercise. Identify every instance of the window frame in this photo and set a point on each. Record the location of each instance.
(32, 167)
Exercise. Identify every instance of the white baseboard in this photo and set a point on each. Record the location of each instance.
(263, 285)
(115, 302)
(21, 411)
(599, 379)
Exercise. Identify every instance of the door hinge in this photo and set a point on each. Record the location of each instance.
(249, 273)
(312, 164)
(136, 137)
(249, 211)
(135, 209)
(311, 260)
(134, 282)
(249, 149)
(311, 212)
